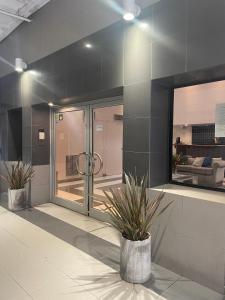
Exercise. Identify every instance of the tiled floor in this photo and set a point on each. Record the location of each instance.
(74, 191)
(52, 253)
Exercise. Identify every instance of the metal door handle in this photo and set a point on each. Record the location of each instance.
(93, 163)
(77, 162)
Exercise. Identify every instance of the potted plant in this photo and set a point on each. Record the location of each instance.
(177, 159)
(133, 213)
(18, 175)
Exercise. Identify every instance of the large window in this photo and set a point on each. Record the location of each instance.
(198, 147)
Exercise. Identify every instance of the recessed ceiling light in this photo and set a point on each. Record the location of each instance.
(50, 104)
(88, 45)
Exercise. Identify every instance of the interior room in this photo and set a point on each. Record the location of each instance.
(199, 136)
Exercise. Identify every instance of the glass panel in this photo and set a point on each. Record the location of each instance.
(199, 135)
(70, 143)
(107, 149)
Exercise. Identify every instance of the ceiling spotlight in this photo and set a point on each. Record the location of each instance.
(20, 65)
(128, 16)
(131, 10)
(50, 104)
(88, 45)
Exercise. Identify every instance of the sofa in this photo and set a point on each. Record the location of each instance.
(212, 176)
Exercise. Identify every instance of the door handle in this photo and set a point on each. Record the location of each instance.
(77, 162)
(94, 158)
(91, 162)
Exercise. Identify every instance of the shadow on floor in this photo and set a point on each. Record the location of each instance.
(98, 248)
(92, 245)
(110, 286)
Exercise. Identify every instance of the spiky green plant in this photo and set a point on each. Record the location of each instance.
(18, 174)
(131, 211)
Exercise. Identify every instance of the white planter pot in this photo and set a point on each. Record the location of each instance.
(16, 199)
(135, 260)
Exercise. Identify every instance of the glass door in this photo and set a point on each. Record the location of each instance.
(106, 149)
(87, 156)
(71, 158)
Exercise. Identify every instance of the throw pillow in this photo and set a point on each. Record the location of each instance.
(207, 162)
(215, 159)
(190, 160)
(198, 161)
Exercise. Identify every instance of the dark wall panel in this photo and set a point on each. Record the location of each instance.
(169, 38)
(137, 91)
(3, 134)
(160, 133)
(15, 134)
(40, 122)
(206, 31)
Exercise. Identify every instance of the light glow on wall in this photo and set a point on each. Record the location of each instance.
(88, 45)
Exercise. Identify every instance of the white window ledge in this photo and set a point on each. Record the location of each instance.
(207, 195)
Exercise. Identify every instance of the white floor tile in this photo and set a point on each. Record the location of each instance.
(36, 264)
(70, 217)
(109, 234)
(10, 289)
(69, 294)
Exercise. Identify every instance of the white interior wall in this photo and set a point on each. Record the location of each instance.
(197, 104)
(70, 139)
(108, 142)
(185, 134)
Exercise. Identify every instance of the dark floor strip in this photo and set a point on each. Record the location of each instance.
(96, 247)
(100, 249)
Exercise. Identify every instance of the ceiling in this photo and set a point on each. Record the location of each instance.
(43, 36)
(23, 8)
(26, 8)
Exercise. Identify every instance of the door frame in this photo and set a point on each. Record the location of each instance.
(72, 205)
(88, 107)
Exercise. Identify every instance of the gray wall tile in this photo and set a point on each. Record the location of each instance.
(136, 134)
(40, 194)
(137, 99)
(158, 168)
(206, 30)
(136, 163)
(169, 18)
(137, 55)
(169, 56)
